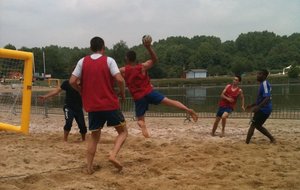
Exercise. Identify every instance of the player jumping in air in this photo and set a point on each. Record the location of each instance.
(138, 83)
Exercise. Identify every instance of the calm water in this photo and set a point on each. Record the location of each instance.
(205, 99)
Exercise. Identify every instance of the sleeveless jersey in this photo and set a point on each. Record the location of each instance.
(97, 86)
(138, 83)
(231, 94)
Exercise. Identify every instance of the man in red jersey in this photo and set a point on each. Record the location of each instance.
(227, 103)
(138, 83)
(97, 74)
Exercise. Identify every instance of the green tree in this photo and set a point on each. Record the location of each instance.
(294, 71)
(10, 46)
(119, 51)
(241, 65)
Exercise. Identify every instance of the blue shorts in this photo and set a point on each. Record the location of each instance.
(113, 118)
(221, 110)
(142, 105)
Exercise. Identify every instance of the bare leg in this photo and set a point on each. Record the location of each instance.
(142, 124)
(91, 150)
(224, 117)
(216, 123)
(177, 104)
(66, 134)
(120, 139)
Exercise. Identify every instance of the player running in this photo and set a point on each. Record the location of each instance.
(262, 108)
(227, 103)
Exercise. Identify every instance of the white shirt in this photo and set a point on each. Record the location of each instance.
(111, 63)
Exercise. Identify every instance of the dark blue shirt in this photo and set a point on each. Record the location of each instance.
(263, 92)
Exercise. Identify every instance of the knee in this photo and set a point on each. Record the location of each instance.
(258, 127)
(224, 117)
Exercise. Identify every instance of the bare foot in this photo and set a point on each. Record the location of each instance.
(212, 134)
(193, 115)
(222, 135)
(116, 163)
(88, 171)
(144, 129)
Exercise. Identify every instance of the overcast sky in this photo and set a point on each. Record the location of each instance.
(70, 23)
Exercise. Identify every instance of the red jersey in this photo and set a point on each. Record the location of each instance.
(234, 94)
(137, 82)
(97, 86)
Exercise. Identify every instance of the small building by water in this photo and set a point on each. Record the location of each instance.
(196, 73)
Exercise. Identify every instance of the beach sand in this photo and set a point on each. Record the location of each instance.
(179, 155)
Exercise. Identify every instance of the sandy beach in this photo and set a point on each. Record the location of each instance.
(179, 155)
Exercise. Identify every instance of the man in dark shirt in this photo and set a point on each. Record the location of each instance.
(72, 108)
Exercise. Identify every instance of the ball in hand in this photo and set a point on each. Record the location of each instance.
(147, 39)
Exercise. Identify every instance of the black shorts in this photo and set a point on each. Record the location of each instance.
(70, 114)
(259, 118)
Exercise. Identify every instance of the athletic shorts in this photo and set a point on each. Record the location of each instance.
(259, 118)
(70, 114)
(221, 110)
(113, 118)
(142, 105)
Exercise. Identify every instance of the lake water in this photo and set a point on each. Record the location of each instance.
(283, 96)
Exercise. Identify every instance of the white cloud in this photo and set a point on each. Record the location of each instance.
(35, 23)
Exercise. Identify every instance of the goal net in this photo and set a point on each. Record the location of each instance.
(15, 90)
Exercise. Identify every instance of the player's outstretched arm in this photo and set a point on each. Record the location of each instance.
(243, 99)
(153, 57)
(50, 94)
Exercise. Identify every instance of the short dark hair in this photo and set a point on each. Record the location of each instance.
(131, 56)
(239, 77)
(97, 44)
(265, 72)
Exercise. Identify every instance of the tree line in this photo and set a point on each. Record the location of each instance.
(177, 54)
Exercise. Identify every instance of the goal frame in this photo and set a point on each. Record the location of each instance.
(27, 57)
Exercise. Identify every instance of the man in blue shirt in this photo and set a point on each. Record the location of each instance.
(262, 108)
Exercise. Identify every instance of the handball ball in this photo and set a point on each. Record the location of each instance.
(147, 39)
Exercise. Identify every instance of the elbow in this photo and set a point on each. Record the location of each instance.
(120, 79)
(73, 80)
